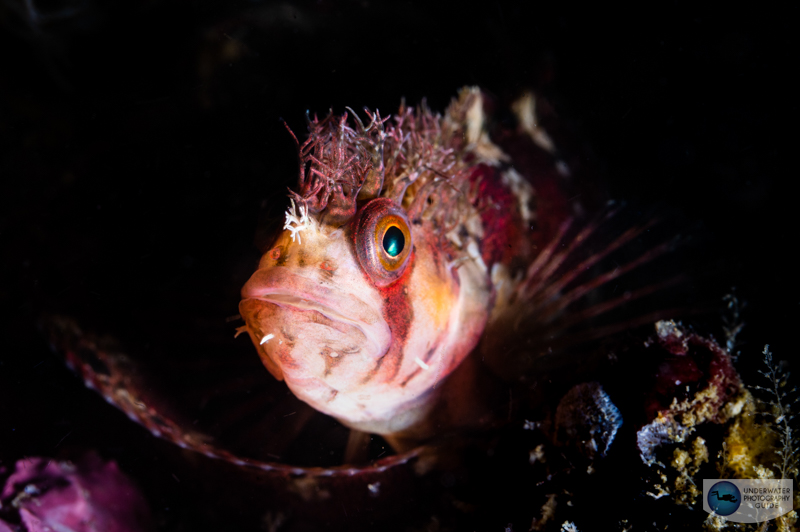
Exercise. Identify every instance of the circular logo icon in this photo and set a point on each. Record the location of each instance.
(724, 498)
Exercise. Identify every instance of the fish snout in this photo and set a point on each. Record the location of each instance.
(311, 335)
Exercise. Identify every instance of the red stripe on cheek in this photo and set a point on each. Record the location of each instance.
(399, 315)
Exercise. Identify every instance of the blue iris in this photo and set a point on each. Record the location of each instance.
(394, 241)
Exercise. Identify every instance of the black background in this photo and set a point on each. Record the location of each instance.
(141, 147)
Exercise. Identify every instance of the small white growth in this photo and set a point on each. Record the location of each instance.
(296, 223)
(333, 354)
(667, 328)
(476, 135)
(453, 237)
(521, 189)
(525, 109)
(475, 117)
(475, 254)
(474, 224)
(536, 454)
(421, 363)
(569, 526)
(374, 488)
(504, 284)
(658, 495)
(266, 339)
(548, 512)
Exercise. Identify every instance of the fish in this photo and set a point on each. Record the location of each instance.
(415, 248)
(431, 269)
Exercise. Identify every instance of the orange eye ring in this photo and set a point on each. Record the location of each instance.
(391, 236)
(383, 240)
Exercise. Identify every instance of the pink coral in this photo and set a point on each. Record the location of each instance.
(90, 496)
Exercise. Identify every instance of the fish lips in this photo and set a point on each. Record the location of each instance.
(306, 331)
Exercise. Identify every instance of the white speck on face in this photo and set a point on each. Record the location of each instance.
(421, 363)
(297, 222)
(266, 339)
(333, 354)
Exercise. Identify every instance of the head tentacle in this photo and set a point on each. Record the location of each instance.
(416, 158)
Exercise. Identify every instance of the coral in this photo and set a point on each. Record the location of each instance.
(760, 442)
(781, 403)
(747, 444)
(44, 495)
(687, 464)
(690, 361)
(548, 512)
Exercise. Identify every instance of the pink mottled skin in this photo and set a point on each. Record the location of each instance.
(373, 381)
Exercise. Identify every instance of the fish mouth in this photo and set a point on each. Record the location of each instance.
(304, 329)
(281, 287)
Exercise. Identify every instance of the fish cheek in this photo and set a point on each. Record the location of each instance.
(435, 291)
(323, 349)
(327, 269)
(301, 257)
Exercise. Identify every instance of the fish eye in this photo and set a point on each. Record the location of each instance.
(383, 240)
(393, 241)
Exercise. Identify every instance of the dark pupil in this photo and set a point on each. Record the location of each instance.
(394, 241)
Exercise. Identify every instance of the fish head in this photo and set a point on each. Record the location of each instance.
(361, 305)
